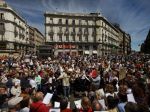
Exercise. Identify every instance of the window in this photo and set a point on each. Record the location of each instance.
(2, 28)
(93, 32)
(86, 38)
(73, 31)
(80, 31)
(80, 22)
(1, 15)
(86, 47)
(86, 31)
(73, 22)
(80, 47)
(51, 37)
(86, 22)
(67, 31)
(60, 38)
(67, 38)
(73, 38)
(94, 47)
(60, 21)
(66, 21)
(80, 38)
(60, 29)
(51, 20)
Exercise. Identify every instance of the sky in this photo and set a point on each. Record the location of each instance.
(132, 15)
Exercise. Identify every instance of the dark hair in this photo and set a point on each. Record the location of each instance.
(85, 102)
(131, 107)
(63, 103)
(122, 97)
(25, 102)
(112, 102)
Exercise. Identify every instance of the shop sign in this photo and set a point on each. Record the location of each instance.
(65, 46)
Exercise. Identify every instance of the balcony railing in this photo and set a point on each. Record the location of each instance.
(80, 32)
(2, 31)
(51, 33)
(66, 32)
(60, 32)
(16, 33)
(73, 33)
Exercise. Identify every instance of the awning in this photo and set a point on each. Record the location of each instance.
(86, 52)
(94, 52)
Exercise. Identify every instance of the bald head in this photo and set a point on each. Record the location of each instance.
(39, 96)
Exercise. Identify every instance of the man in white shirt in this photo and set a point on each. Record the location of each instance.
(65, 82)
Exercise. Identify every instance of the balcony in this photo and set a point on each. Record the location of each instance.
(86, 32)
(66, 32)
(2, 31)
(16, 33)
(80, 32)
(73, 33)
(21, 35)
(50, 33)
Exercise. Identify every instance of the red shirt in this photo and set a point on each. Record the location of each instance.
(89, 110)
(38, 107)
(66, 110)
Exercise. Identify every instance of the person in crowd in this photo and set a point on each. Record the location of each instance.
(131, 107)
(64, 105)
(95, 78)
(16, 89)
(9, 84)
(86, 105)
(38, 81)
(65, 82)
(33, 82)
(112, 104)
(25, 103)
(3, 97)
(14, 104)
(74, 72)
(96, 106)
(122, 102)
(37, 105)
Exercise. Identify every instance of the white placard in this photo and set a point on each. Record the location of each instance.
(54, 110)
(131, 98)
(68, 105)
(78, 103)
(101, 92)
(56, 104)
(102, 102)
(47, 98)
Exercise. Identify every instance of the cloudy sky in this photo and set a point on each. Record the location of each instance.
(132, 15)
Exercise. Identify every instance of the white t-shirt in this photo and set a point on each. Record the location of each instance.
(33, 83)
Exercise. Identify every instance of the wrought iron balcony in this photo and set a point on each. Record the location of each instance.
(73, 33)
(51, 33)
(86, 32)
(2, 31)
(16, 33)
(66, 32)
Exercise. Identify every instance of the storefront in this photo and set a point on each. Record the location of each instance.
(69, 49)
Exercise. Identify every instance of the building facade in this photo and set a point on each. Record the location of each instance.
(126, 44)
(39, 39)
(79, 34)
(14, 32)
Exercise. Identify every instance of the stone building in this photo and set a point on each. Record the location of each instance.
(14, 32)
(77, 34)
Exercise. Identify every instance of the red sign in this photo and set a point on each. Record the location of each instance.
(65, 46)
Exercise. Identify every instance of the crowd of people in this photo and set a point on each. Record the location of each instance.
(104, 84)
